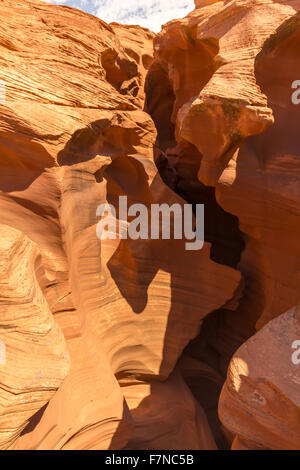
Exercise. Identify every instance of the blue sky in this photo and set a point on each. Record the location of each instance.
(149, 13)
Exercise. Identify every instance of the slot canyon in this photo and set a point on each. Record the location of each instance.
(140, 344)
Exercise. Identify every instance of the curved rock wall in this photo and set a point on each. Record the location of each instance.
(231, 66)
(120, 343)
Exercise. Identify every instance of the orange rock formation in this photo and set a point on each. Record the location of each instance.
(120, 343)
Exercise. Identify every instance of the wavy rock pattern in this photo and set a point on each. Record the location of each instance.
(120, 343)
(228, 71)
(73, 136)
(36, 356)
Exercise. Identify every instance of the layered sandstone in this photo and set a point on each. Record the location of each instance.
(36, 355)
(260, 401)
(73, 136)
(120, 343)
(228, 71)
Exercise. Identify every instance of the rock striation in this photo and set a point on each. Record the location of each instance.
(116, 343)
(229, 73)
(73, 136)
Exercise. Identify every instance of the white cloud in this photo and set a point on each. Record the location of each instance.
(149, 13)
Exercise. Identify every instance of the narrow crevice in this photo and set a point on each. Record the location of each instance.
(178, 166)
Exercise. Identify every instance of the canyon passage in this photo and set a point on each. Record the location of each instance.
(138, 343)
